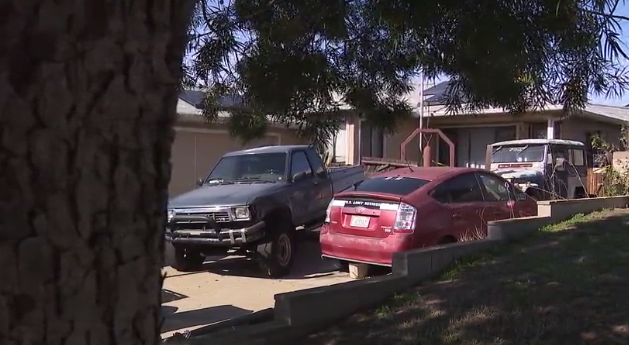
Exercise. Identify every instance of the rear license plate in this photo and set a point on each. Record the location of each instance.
(359, 222)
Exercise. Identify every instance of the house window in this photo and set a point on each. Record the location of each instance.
(540, 130)
(506, 133)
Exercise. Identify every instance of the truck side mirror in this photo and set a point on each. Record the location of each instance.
(299, 176)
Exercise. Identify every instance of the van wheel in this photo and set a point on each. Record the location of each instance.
(579, 193)
(186, 260)
(446, 240)
(276, 256)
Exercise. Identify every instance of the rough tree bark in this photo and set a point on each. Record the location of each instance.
(87, 104)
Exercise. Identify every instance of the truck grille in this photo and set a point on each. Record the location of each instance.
(219, 217)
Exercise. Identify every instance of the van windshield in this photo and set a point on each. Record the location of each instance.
(518, 154)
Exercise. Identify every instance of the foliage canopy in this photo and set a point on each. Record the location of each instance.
(295, 58)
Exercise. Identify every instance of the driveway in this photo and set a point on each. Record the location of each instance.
(232, 286)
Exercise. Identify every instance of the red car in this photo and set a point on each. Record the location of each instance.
(411, 208)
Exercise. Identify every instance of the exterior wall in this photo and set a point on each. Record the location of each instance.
(576, 128)
(479, 131)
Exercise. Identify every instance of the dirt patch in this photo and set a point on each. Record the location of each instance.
(567, 285)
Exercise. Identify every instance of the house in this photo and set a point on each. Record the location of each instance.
(471, 133)
(198, 145)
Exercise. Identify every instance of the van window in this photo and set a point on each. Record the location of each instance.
(391, 185)
(578, 157)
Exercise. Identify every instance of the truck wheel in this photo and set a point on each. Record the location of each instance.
(276, 256)
(186, 260)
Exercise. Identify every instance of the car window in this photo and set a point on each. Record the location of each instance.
(390, 185)
(316, 163)
(299, 164)
(459, 189)
(495, 188)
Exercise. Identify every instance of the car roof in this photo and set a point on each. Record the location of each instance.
(427, 173)
(267, 149)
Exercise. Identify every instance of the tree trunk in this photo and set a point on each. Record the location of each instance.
(87, 105)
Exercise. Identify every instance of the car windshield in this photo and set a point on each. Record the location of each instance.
(264, 167)
(518, 154)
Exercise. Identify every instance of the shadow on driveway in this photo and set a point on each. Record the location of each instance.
(174, 320)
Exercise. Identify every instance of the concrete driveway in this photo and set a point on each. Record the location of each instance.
(232, 286)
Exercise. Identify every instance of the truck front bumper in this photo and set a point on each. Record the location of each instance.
(206, 231)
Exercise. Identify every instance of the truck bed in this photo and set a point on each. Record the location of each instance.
(344, 177)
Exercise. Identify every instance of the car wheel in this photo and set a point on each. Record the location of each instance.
(186, 260)
(342, 265)
(276, 256)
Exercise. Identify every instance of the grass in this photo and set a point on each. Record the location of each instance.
(568, 284)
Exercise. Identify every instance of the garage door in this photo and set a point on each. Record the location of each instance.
(194, 154)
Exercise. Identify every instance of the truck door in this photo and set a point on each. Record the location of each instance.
(322, 184)
(302, 191)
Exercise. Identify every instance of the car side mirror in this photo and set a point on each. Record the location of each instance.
(299, 176)
(200, 182)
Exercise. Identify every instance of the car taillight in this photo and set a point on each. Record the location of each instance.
(333, 203)
(405, 219)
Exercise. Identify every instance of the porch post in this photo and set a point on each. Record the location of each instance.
(352, 137)
(550, 129)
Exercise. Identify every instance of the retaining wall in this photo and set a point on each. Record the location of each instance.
(301, 312)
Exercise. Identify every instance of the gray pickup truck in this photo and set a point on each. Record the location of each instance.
(252, 202)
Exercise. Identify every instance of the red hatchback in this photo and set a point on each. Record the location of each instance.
(412, 208)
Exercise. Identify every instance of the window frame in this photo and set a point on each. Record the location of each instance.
(292, 159)
(448, 182)
(486, 192)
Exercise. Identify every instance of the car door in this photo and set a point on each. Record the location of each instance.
(322, 184)
(498, 200)
(302, 192)
(462, 199)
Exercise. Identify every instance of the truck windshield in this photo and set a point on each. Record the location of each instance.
(249, 167)
(518, 153)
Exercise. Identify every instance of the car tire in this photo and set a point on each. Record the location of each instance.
(276, 256)
(342, 266)
(186, 260)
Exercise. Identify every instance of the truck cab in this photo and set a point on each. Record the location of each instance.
(542, 168)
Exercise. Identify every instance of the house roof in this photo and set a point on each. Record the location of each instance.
(435, 105)
(196, 97)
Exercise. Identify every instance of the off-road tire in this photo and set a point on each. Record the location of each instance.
(185, 260)
(277, 255)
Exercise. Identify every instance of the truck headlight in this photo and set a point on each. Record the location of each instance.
(241, 213)
(171, 214)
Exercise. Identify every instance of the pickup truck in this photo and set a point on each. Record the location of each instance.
(253, 201)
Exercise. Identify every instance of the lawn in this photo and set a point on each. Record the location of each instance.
(569, 284)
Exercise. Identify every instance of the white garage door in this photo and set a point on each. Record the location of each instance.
(194, 153)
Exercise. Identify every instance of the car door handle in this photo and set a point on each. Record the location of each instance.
(456, 215)
(315, 182)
